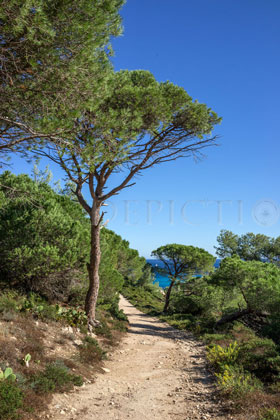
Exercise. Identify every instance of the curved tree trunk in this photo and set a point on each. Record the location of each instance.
(234, 316)
(93, 268)
(167, 297)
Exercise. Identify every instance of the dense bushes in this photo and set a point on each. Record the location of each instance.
(55, 377)
(11, 397)
(44, 245)
(256, 283)
(44, 237)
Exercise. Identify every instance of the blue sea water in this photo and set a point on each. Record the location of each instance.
(162, 280)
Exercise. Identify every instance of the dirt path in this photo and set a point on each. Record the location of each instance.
(157, 373)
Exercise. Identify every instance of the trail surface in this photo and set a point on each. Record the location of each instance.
(157, 373)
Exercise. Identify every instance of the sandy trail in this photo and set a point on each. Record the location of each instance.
(156, 373)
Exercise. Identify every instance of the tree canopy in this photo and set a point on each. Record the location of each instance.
(250, 246)
(258, 283)
(138, 123)
(44, 237)
(181, 262)
(53, 60)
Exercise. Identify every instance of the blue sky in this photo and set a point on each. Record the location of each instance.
(225, 53)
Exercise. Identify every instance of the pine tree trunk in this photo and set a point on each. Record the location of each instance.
(167, 297)
(93, 268)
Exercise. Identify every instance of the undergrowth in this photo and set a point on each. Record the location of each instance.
(25, 324)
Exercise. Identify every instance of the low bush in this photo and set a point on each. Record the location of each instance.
(56, 377)
(270, 414)
(181, 322)
(212, 339)
(10, 301)
(103, 329)
(261, 357)
(147, 300)
(271, 329)
(220, 356)
(11, 398)
(236, 383)
(90, 351)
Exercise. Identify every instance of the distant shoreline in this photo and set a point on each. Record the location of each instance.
(162, 280)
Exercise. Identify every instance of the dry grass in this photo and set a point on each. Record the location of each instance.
(47, 342)
(254, 404)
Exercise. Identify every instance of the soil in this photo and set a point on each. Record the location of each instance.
(157, 372)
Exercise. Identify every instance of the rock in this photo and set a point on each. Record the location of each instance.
(68, 330)
(106, 370)
(62, 412)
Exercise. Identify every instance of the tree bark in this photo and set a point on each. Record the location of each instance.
(167, 297)
(234, 316)
(93, 267)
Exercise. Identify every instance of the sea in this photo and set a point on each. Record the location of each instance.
(163, 280)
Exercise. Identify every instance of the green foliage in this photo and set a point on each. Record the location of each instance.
(271, 328)
(137, 123)
(236, 383)
(182, 260)
(148, 300)
(211, 339)
(27, 359)
(11, 301)
(43, 237)
(179, 321)
(61, 50)
(117, 313)
(7, 374)
(74, 317)
(55, 377)
(261, 357)
(220, 356)
(258, 283)
(91, 352)
(248, 247)
(181, 263)
(198, 297)
(270, 414)
(11, 399)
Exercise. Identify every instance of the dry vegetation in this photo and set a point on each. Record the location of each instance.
(62, 356)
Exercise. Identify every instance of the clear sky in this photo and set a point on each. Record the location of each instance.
(225, 53)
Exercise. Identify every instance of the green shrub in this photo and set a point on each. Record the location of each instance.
(119, 325)
(260, 357)
(44, 237)
(117, 313)
(90, 351)
(10, 400)
(43, 385)
(103, 329)
(144, 299)
(272, 328)
(236, 383)
(181, 322)
(56, 377)
(220, 356)
(214, 338)
(180, 303)
(10, 301)
(74, 317)
(270, 414)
